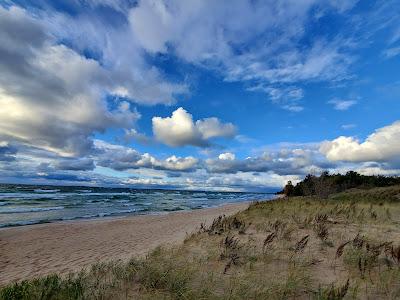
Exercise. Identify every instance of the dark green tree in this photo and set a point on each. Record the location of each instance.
(288, 189)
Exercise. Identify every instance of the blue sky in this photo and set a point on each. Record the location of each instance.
(195, 94)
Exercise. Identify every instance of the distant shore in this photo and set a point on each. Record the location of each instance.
(31, 251)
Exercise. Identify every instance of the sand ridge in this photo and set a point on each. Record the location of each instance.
(36, 250)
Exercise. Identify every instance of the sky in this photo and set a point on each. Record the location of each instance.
(198, 94)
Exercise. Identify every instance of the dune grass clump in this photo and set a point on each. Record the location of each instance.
(342, 247)
(333, 292)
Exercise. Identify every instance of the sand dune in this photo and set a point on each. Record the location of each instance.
(30, 251)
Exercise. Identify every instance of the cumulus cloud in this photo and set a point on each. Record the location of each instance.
(174, 163)
(181, 130)
(124, 158)
(382, 145)
(54, 97)
(227, 156)
(50, 96)
(111, 41)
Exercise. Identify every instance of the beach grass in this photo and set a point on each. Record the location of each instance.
(344, 247)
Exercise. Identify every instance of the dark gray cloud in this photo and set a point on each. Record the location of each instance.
(22, 38)
(83, 164)
(7, 152)
(66, 177)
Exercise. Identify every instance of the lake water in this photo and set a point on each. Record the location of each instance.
(24, 205)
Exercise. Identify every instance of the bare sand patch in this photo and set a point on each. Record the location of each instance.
(36, 250)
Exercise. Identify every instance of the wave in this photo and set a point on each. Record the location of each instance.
(199, 194)
(57, 196)
(73, 218)
(29, 209)
(32, 196)
(46, 191)
(108, 194)
(54, 194)
(123, 201)
(24, 207)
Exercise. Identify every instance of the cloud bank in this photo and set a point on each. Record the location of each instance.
(124, 158)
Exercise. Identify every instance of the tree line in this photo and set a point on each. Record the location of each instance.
(326, 183)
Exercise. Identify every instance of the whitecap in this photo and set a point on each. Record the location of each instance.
(45, 191)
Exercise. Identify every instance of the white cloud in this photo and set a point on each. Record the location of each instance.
(291, 93)
(382, 145)
(119, 52)
(212, 34)
(50, 96)
(343, 5)
(227, 156)
(53, 97)
(293, 108)
(119, 5)
(212, 127)
(396, 36)
(340, 104)
(152, 36)
(287, 97)
(181, 130)
(180, 164)
(392, 52)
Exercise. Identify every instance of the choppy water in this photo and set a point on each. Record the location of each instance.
(24, 205)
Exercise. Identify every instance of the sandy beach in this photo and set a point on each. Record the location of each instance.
(30, 251)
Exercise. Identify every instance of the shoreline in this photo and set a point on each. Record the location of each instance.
(67, 246)
(128, 215)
